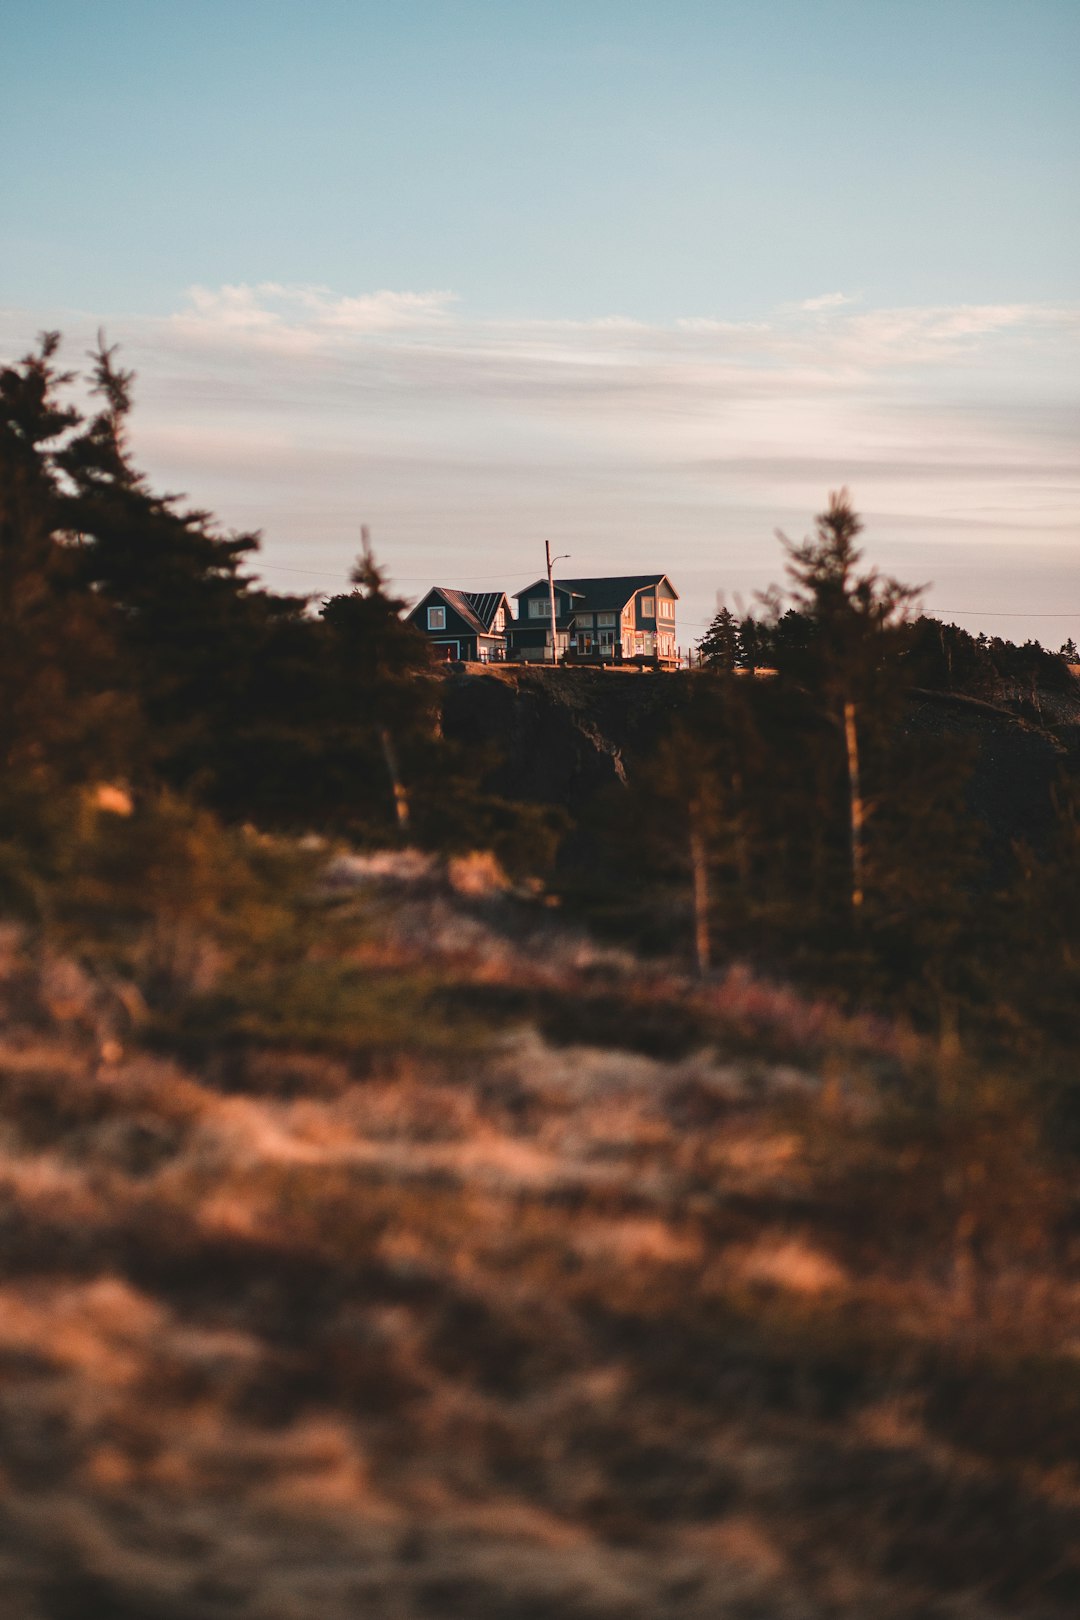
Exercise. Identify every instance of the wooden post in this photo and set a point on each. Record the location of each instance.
(401, 796)
(858, 813)
(700, 871)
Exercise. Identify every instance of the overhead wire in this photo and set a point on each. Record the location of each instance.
(934, 608)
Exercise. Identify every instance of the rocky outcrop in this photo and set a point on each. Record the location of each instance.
(560, 737)
(555, 738)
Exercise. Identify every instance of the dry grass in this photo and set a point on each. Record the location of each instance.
(537, 1326)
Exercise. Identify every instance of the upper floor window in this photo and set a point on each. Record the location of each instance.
(667, 608)
(584, 619)
(605, 618)
(539, 607)
(499, 622)
(436, 618)
(648, 607)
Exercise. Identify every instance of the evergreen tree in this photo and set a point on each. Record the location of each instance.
(60, 716)
(752, 645)
(718, 648)
(378, 702)
(860, 622)
(203, 642)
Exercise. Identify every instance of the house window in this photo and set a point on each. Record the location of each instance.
(585, 619)
(648, 607)
(605, 618)
(539, 607)
(500, 620)
(436, 618)
(667, 608)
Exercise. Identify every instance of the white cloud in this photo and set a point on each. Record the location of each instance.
(833, 300)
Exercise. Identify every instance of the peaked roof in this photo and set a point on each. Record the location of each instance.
(612, 591)
(476, 608)
(485, 604)
(541, 585)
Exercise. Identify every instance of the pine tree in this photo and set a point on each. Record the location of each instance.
(60, 719)
(718, 648)
(378, 700)
(197, 633)
(860, 623)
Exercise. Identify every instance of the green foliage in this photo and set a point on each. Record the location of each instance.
(718, 648)
(945, 658)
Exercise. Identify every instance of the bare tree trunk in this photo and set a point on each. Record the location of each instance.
(741, 851)
(858, 812)
(700, 871)
(401, 796)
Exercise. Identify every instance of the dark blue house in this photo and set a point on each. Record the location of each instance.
(623, 619)
(466, 625)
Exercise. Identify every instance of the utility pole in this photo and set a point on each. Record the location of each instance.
(551, 561)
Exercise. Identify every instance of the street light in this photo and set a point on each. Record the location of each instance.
(551, 561)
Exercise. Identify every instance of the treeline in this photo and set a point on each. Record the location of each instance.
(940, 657)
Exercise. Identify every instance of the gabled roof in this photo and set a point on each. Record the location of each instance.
(542, 585)
(485, 604)
(476, 608)
(603, 594)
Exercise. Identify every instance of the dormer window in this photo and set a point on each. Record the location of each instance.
(436, 618)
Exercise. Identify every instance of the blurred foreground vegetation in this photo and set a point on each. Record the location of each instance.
(377, 1240)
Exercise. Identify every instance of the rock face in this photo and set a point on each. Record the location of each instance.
(1015, 763)
(558, 738)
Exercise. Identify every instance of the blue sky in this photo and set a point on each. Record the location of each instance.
(645, 277)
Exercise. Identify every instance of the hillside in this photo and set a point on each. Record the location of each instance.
(561, 737)
(451, 1265)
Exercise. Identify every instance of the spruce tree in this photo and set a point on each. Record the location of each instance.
(718, 648)
(61, 717)
(379, 705)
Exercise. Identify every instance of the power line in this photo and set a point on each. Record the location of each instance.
(1011, 613)
(409, 579)
(406, 579)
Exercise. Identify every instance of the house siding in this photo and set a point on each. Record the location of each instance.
(467, 630)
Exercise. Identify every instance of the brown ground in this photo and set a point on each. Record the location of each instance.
(722, 1310)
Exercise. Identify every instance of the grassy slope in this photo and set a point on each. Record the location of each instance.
(461, 1269)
